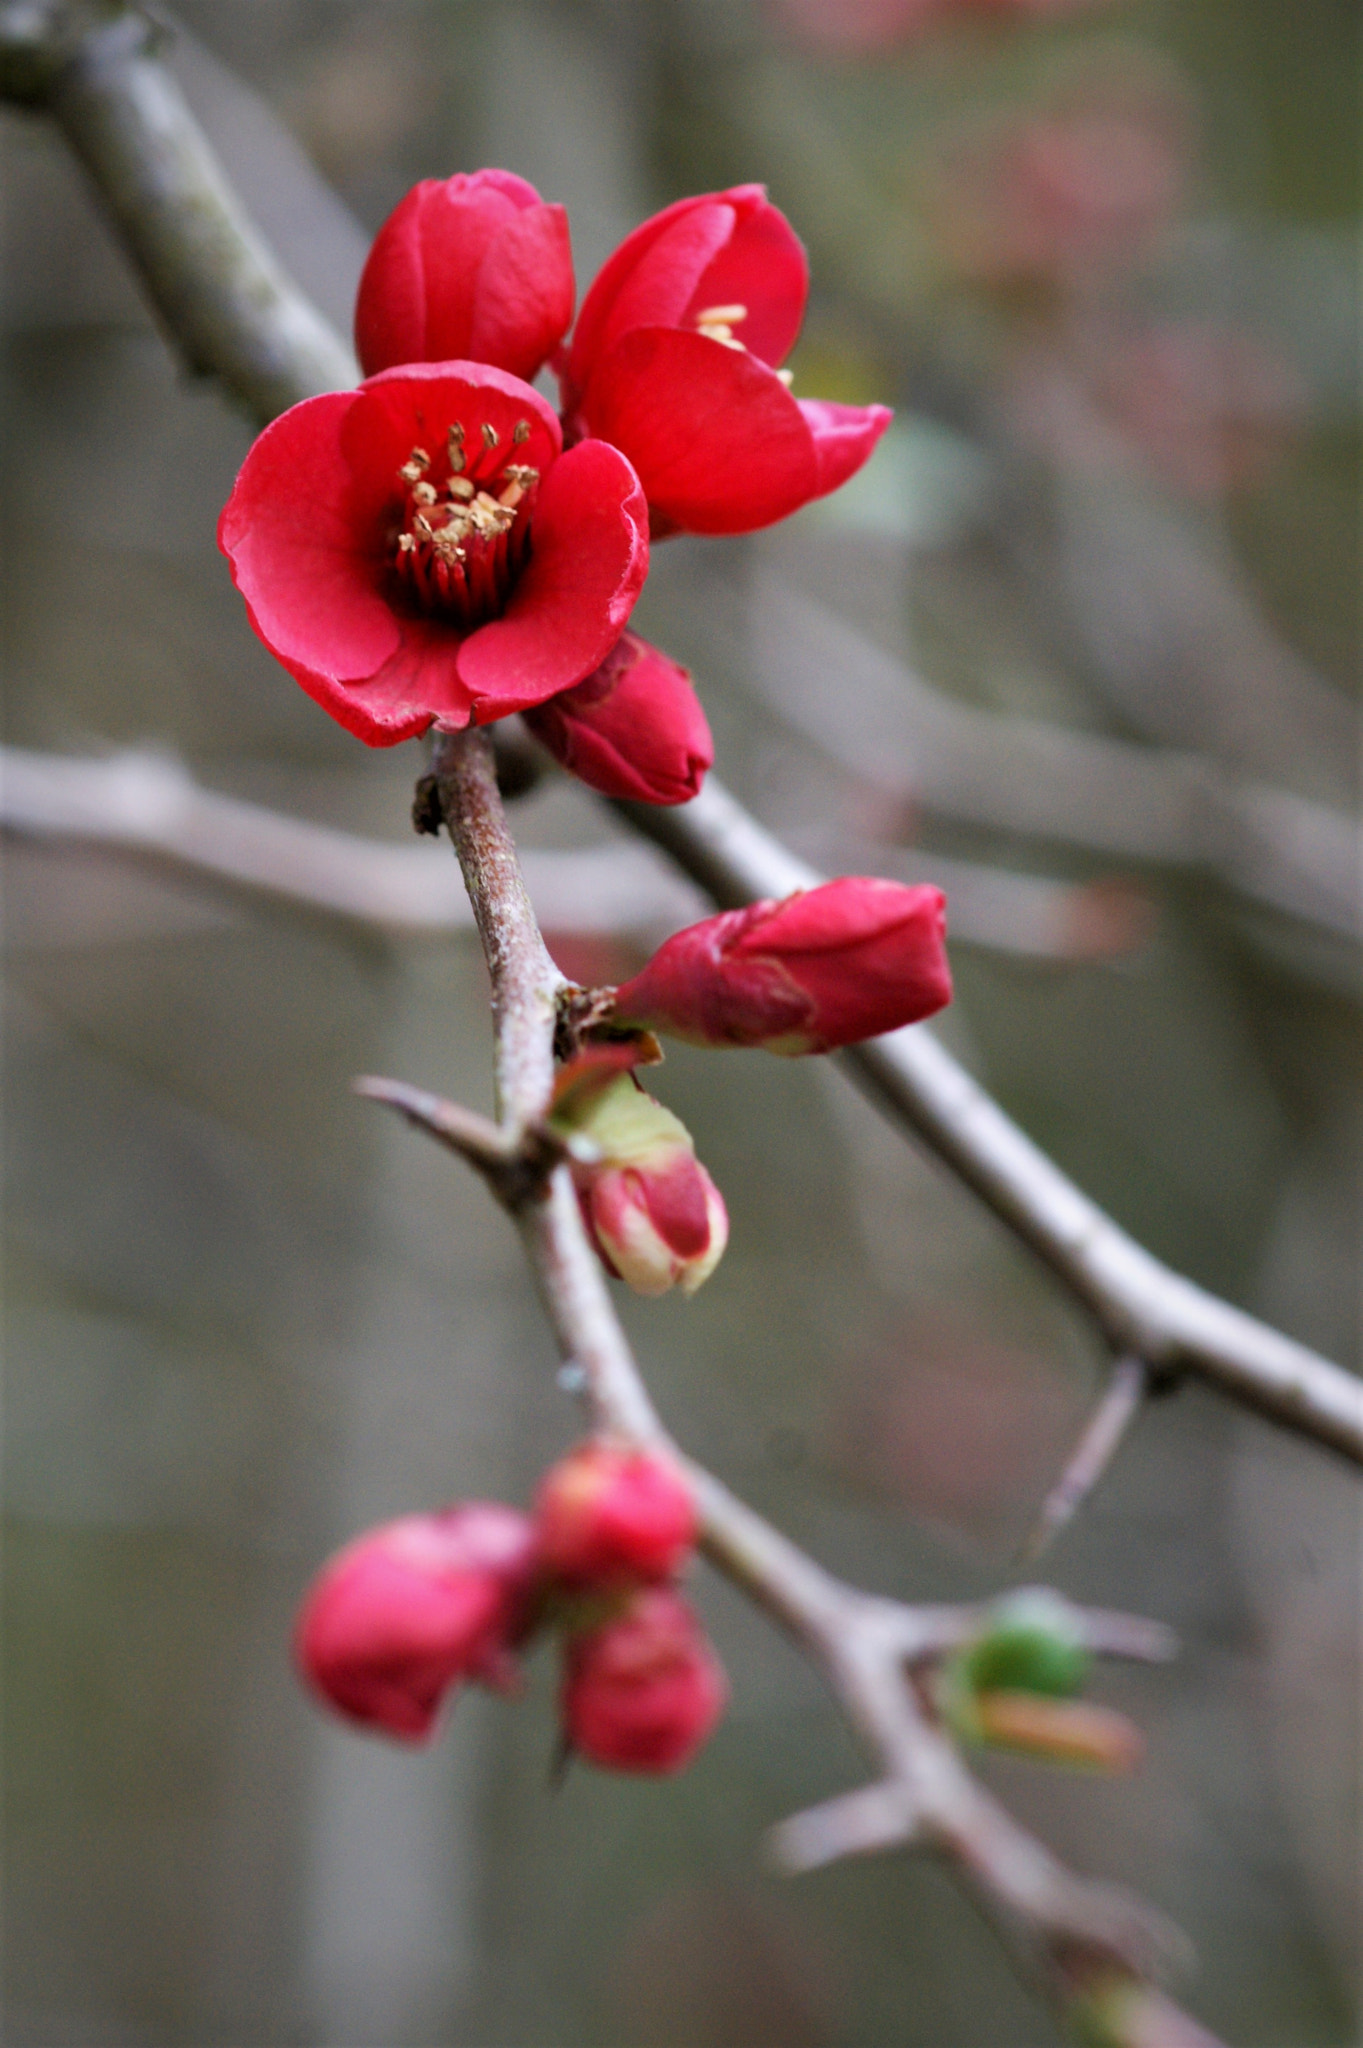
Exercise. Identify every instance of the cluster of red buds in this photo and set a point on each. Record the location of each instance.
(407, 1613)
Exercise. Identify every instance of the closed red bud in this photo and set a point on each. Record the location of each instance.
(606, 1513)
(652, 1211)
(826, 967)
(644, 1690)
(635, 728)
(474, 267)
(406, 1611)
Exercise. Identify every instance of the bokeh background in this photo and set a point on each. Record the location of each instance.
(1081, 644)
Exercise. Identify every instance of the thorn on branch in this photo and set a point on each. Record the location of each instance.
(857, 1823)
(1097, 1446)
(515, 1166)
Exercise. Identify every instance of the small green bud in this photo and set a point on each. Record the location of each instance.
(1032, 1643)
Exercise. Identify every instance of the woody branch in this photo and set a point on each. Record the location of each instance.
(233, 313)
(1084, 1941)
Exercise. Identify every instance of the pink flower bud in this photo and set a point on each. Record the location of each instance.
(643, 1691)
(473, 267)
(653, 1212)
(824, 968)
(607, 1514)
(634, 729)
(404, 1612)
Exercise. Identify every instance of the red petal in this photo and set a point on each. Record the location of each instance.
(634, 728)
(518, 190)
(719, 443)
(588, 561)
(763, 267)
(614, 273)
(415, 405)
(433, 265)
(834, 915)
(674, 1196)
(844, 437)
(415, 300)
(525, 293)
(661, 284)
(311, 576)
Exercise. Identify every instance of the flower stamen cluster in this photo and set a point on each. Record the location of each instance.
(459, 547)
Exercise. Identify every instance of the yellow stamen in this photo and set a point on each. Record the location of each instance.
(520, 432)
(424, 494)
(717, 330)
(715, 316)
(489, 434)
(456, 447)
(460, 487)
(412, 468)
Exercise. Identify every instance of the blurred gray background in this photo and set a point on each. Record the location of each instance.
(1081, 644)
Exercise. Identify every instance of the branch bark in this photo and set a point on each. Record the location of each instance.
(224, 302)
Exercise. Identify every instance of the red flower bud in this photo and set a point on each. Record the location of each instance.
(404, 1612)
(824, 968)
(634, 728)
(654, 1214)
(475, 267)
(606, 1514)
(643, 1691)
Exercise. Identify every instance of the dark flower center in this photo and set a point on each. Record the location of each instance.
(465, 524)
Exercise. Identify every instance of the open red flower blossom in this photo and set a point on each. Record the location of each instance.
(826, 967)
(472, 267)
(635, 728)
(609, 1514)
(644, 1690)
(421, 552)
(675, 359)
(399, 1616)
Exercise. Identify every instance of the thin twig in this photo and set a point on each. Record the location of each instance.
(1094, 1452)
(1140, 1305)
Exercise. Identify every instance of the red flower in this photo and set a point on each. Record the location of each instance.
(407, 1610)
(607, 1514)
(476, 266)
(420, 552)
(634, 729)
(824, 968)
(674, 360)
(643, 1691)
